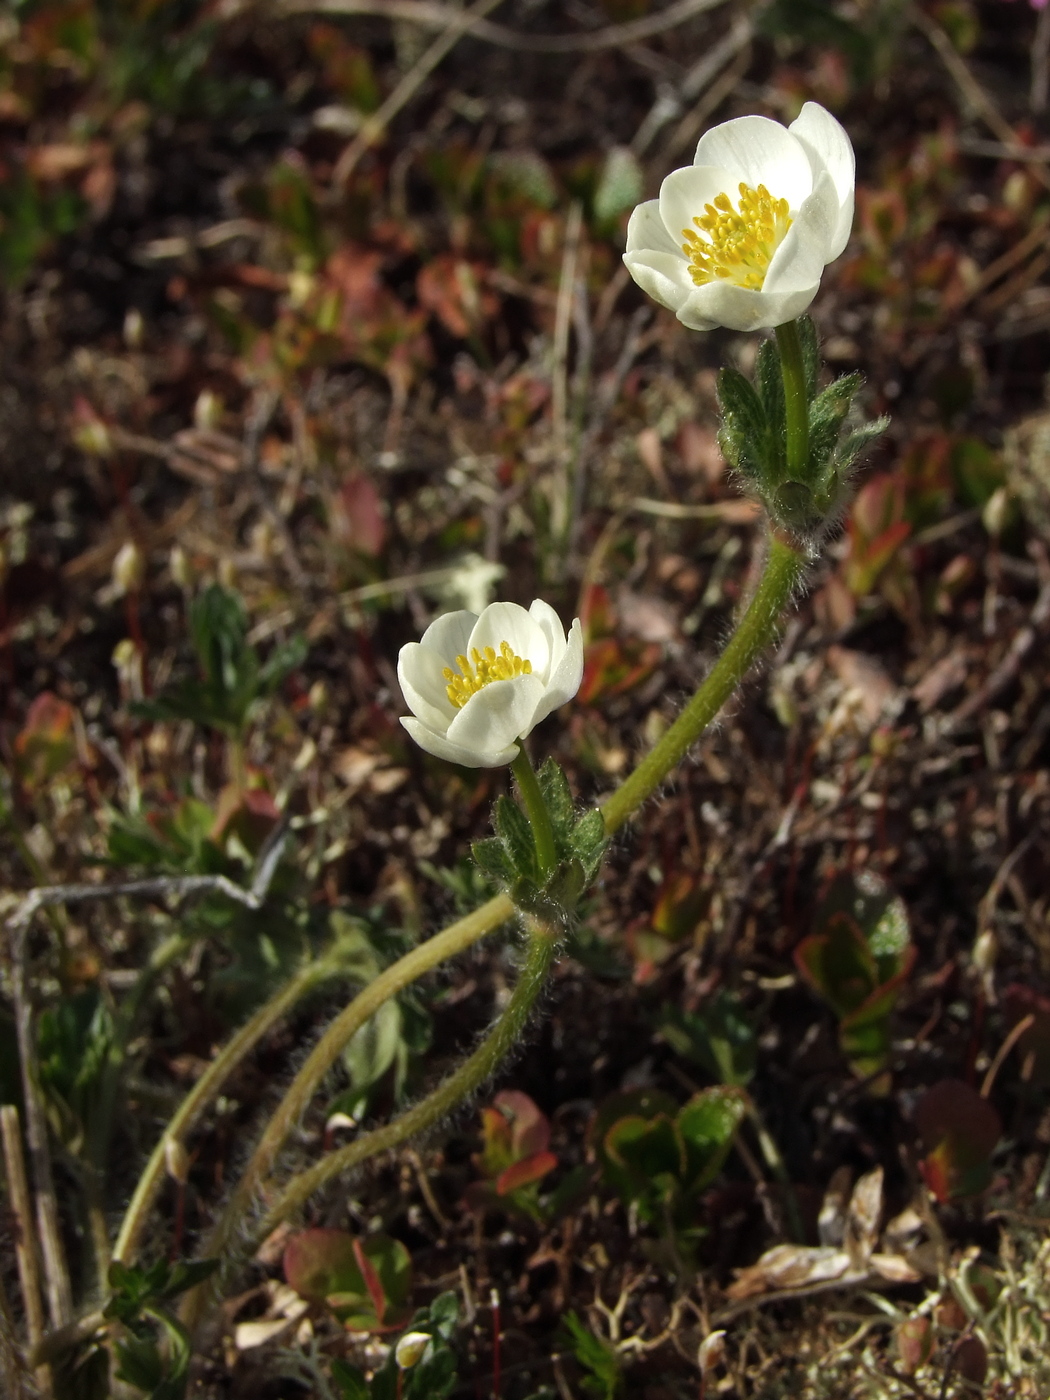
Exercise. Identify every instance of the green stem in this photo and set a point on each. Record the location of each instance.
(539, 817)
(756, 629)
(796, 399)
(444, 945)
(204, 1091)
(462, 1082)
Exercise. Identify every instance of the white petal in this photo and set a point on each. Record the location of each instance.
(565, 677)
(739, 308)
(419, 673)
(441, 747)
(759, 152)
(663, 276)
(507, 622)
(646, 231)
(685, 192)
(494, 717)
(549, 622)
(801, 258)
(829, 148)
(449, 634)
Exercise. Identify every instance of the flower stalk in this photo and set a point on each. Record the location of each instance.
(796, 399)
(539, 817)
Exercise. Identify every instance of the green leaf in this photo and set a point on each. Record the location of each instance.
(850, 448)
(588, 836)
(596, 1356)
(351, 1382)
(492, 858)
(718, 1037)
(374, 1047)
(769, 380)
(745, 434)
(513, 829)
(357, 953)
(826, 415)
(810, 341)
(708, 1124)
(557, 795)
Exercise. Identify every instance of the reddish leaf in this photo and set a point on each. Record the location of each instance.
(914, 1343)
(970, 1360)
(319, 1262)
(959, 1130)
(46, 743)
(525, 1172)
(530, 1129)
(371, 1278)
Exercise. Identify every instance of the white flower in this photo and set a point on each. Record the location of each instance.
(740, 237)
(476, 685)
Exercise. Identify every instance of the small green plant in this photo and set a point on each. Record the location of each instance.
(421, 1365)
(659, 1157)
(604, 1374)
(858, 960)
(365, 1284)
(718, 1038)
(233, 677)
(516, 1155)
(152, 1348)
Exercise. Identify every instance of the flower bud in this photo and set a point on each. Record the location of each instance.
(996, 513)
(409, 1350)
(207, 411)
(176, 1160)
(134, 328)
(181, 569)
(129, 568)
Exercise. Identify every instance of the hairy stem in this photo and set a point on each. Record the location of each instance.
(756, 629)
(204, 1091)
(796, 400)
(444, 945)
(462, 1082)
(539, 817)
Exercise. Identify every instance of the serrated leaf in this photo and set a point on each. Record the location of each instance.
(557, 795)
(492, 858)
(854, 443)
(513, 829)
(769, 380)
(588, 835)
(810, 342)
(744, 437)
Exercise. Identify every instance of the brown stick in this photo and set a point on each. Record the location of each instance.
(25, 1242)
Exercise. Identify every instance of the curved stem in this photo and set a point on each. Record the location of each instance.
(444, 945)
(202, 1094)
(796, 399)
(756, 629)
(443, 1100)
(539, 817)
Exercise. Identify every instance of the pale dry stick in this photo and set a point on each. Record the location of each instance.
(56, 1273)
(436, 16)
(15, 1383)
(695, 82)
(970, 88)
(688, 129)
(372, 129)
(21, 1208)
(1024, 1024)
(561, 488)
(1023, 642)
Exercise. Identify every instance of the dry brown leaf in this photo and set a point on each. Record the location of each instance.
(942, 678)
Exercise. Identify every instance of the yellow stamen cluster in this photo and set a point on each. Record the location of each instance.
(487, 667)
(739, 246)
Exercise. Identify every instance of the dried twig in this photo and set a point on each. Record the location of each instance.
(561, 486)
(1023, 642)
(25, 1243)
(456, 24)
(437, 16)
(14, 1378)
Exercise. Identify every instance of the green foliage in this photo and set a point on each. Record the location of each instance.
(858, 959)
(365, 1283)
(510, 856)
(717, 1037)
(433, 1377)
(75, 1040)
(233, 677)
(31, 218)
(659, 1157)
(753, 438)
(620, 185)
(604, 1377)
(153, 1353)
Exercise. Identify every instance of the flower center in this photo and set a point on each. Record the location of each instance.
(739, 246)
(487, 667)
